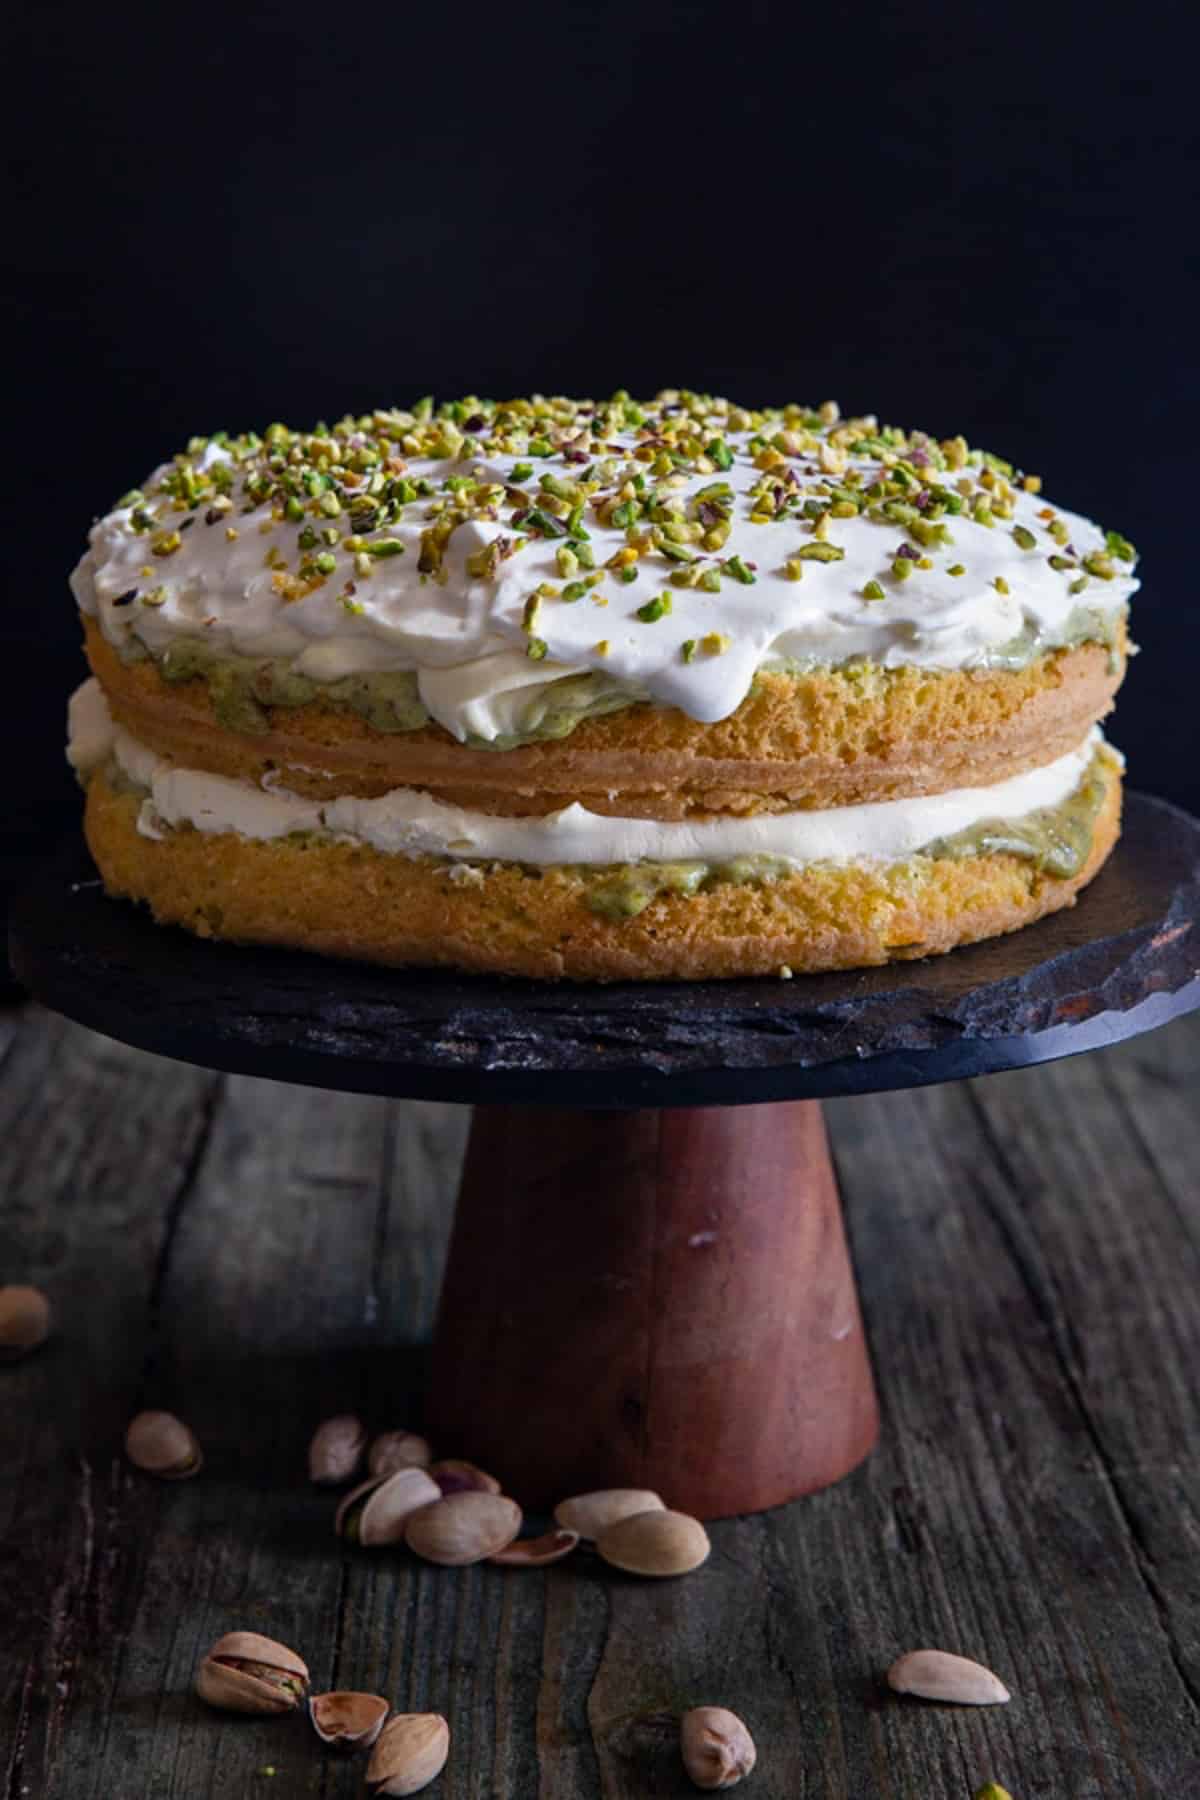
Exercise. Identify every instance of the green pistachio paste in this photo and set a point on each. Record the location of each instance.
(243, 688)
(1057, 839)
(1083, 625)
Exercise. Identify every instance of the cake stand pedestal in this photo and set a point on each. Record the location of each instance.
(648, 1281)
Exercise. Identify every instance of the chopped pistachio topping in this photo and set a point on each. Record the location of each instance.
(687, 486)
(654, 609)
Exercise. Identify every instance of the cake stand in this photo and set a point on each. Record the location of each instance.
(648, 1281)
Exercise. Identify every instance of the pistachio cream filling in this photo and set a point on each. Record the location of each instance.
(242, 688)
(1057, 840)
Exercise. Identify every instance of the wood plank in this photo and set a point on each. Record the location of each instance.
(258, 1256)
(98, 1149)
(280, 1308)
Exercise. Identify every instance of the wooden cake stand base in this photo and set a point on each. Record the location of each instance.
(648, 1283)
(670, 1295)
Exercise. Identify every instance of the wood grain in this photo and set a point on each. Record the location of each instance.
(1028, 1251)
(656, 1300)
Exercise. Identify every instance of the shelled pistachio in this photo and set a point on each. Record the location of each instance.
(247, 1673)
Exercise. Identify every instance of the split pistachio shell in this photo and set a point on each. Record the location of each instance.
(592, 1514)
(394, 1450)
(937, 1675)
(246, 1673)
(163, 1445)
(535, 1553)
(348, 1721)
(456, 1477)
(24, 1321)
(716, 1747)
(377, 1511)
(655, 1543)
(463, 1528)
(336, 1450)
(410, 1753)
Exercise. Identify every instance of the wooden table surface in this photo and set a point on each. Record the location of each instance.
(257, 1257)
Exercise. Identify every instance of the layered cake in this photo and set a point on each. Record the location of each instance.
(595, 690)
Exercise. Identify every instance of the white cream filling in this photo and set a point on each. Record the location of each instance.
(407, 822)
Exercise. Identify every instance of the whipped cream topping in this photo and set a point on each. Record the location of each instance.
(407, 822)
(807, 539)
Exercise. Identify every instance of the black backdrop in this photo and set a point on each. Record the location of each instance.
(974, 218)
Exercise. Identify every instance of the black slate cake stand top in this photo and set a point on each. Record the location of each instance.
(1125, 959)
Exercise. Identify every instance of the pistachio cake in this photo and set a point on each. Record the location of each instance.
(599, 690)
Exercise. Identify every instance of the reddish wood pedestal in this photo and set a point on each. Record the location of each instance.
(653, 1299)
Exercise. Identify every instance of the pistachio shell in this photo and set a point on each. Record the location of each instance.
(163, 1445)
(411, 1751)
(716, 1747)
(377, 1511)
(463, 1528)
(592, 1514)
(24, 1320)
(536, 1552)
(246, 1673)
(394, 1450)
(456, 1477)
(336, 1450)
(937, 1675)
(655, 1543)
(349, 1721)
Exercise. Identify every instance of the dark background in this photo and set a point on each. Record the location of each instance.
(976, 219)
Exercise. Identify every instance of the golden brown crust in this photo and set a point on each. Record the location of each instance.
(344, 900)
(831, 738)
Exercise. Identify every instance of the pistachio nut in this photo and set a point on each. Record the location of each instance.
(937, 1675)
(246, 1673)
(655, 1543)
(536, 1552)
(456, 1477)
(348, 1721)
(24, 1321)
(394, 1450)
(163, 1445)
(592, 1514)
(991, 1790)
(377, 1511)
(336, 1450)
(410, 1752)
(716, 1747)
(463, 1528)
